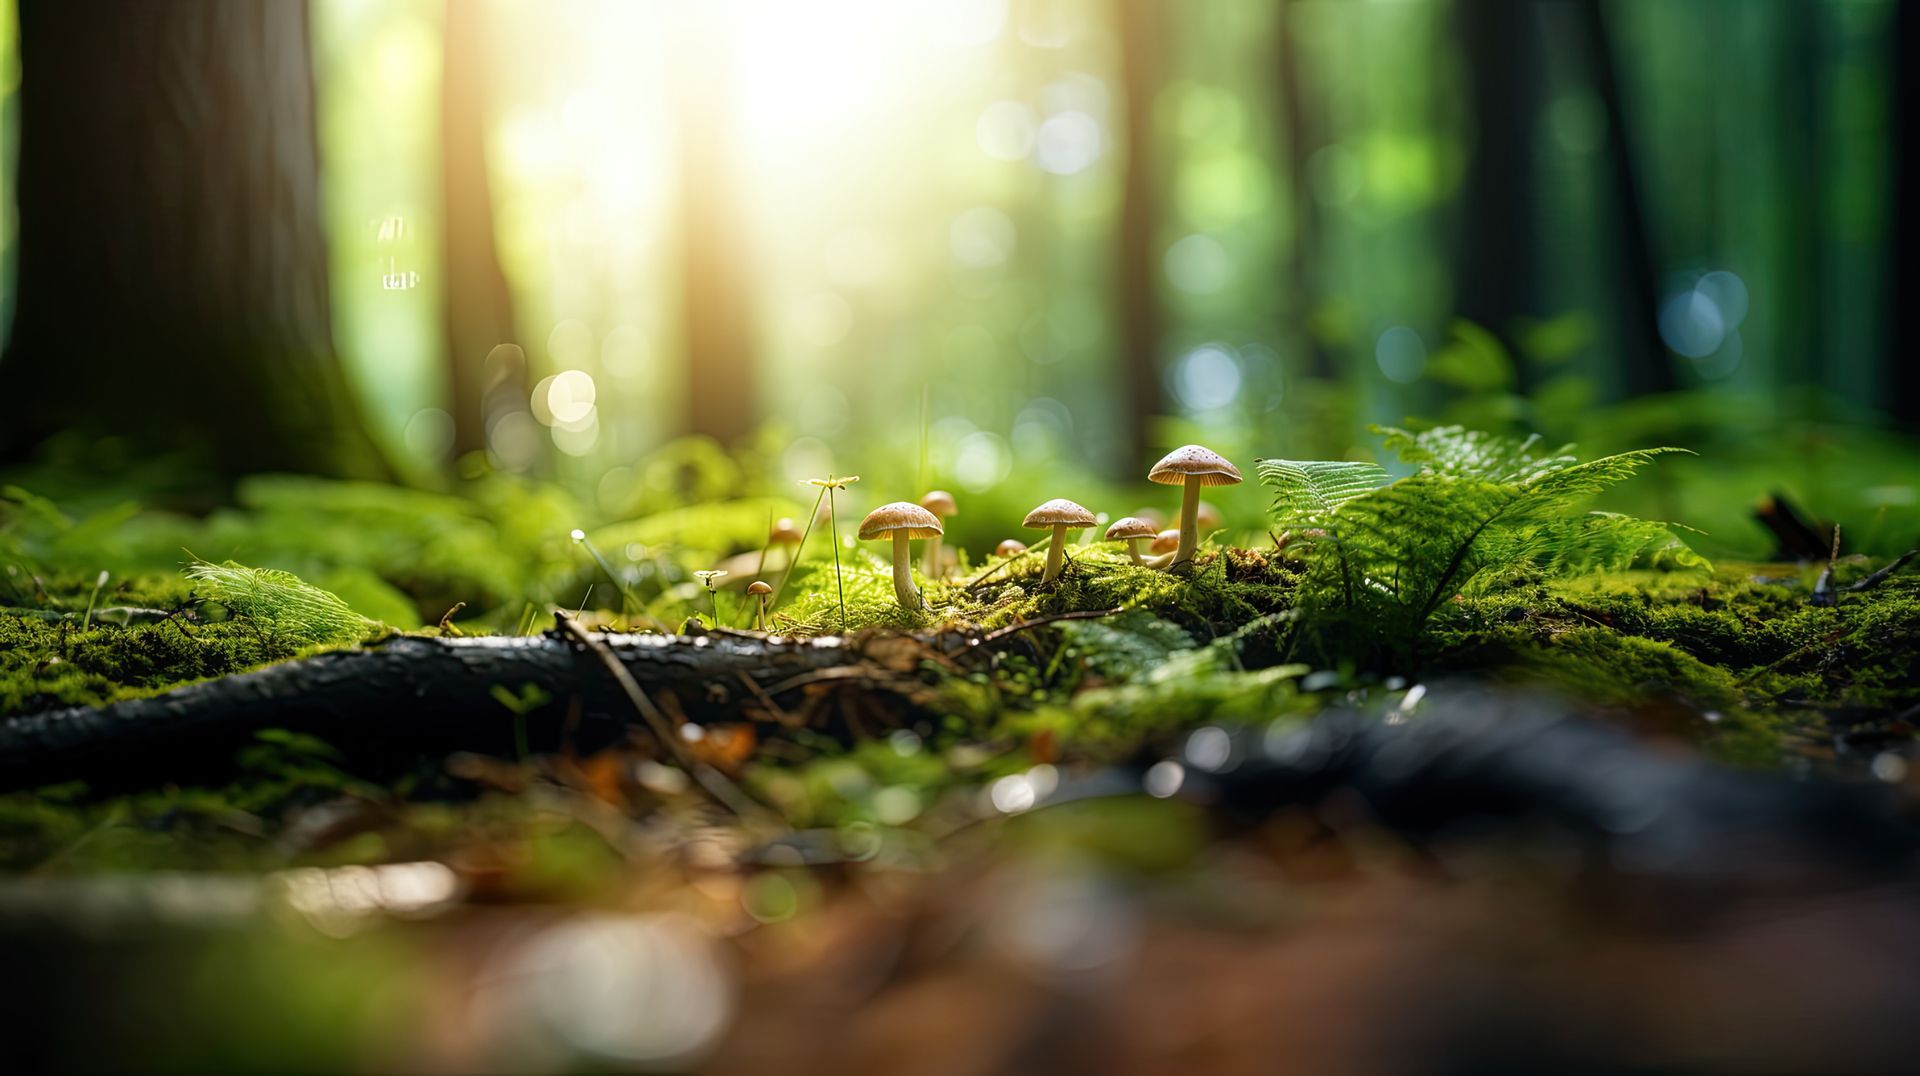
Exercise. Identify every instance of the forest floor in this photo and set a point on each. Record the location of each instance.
(1122, 821)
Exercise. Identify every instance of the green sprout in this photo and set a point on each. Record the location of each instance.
(706, 580)
(826, 486)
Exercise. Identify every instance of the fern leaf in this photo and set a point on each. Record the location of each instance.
(1306, 492)
(1458, 452)
(281, 602)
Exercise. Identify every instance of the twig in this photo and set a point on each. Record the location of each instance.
(446, 619)
(1879, 577)
(710, 780)
(998, 634)
(1823, 587)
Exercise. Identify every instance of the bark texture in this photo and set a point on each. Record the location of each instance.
(173, 272)
(391, 703)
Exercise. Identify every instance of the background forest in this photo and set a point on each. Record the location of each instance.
(978, 243)
(399, 398)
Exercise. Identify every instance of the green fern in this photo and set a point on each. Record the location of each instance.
(1383, 557)
(281, 603)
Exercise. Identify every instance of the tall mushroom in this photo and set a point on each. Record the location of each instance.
(1192, 467)
(940, 503)
(760, 591)
(903, 521)
(1130, 529)
(1060, 516)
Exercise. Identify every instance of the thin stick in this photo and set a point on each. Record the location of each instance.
(1012, 629)
(711, 781)
(794, 560)
(1880, 576)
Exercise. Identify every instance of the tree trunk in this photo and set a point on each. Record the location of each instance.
(484, 384)
(721, 397)
(1137, 290)
(1302, 141)
(172, 268)
(1498, 260)
(1901, 370)
(1645, 366)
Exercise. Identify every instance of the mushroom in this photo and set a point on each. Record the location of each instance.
(1130, 529)
(1061, 516)
(1012, 547)
(940, 503)
(760, 590)
(903, 521)
(1166, 541)
(1192, 467)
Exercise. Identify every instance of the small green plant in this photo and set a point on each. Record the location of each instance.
(1384, 555)
(280, 603)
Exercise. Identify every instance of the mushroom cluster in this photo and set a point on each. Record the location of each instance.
(1190, 467)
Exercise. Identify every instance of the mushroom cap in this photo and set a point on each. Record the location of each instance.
(784, 530)
(759, 586)
(940, 503)
(1192, 461)
(1012, 547)
(1209, 517)
(899, 516)
(1166, 541)
(1130, 527)
(1059, 513)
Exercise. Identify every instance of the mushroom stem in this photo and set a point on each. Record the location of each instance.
(1056, 554)
(760, 615)
(903, 587)
(1133, 550)
(1189, 522)
(931, 566)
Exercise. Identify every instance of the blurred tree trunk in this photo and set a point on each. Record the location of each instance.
(722, 400)
(1137, 272)
(1645, 366)
(1901, 369)
(173, 282)
(1498, 268)
(483, 384)
(1302, 141)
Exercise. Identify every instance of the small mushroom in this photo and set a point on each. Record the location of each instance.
(903, 522)
(1060, 516)
(940, 503)
(1192, 466)
(1166, 541)
(1012, 547)
(1130, 529)
(760, 591)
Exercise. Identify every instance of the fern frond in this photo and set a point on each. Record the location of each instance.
(1306, 492)
(1600, 542)
(1458, 452)
(280, 602)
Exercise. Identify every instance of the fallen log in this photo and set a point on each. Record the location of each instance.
(389, 703)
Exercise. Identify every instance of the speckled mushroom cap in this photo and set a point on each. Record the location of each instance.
(899, 516)
(1059, 513)
(1130, 527)
(940, 503)
(1192, 461)
(1166, 541)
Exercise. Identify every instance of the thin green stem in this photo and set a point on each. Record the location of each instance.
(833, 525)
